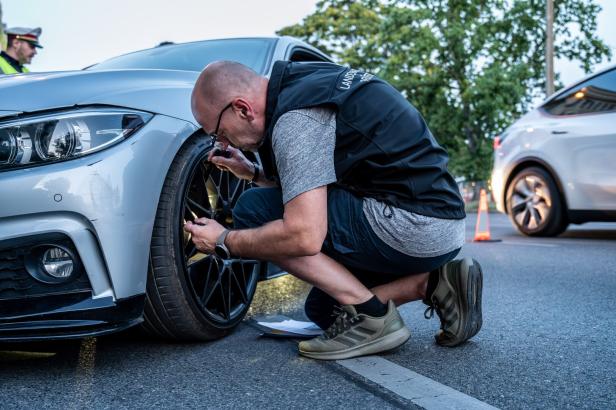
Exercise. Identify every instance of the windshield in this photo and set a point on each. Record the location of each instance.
(252, 52)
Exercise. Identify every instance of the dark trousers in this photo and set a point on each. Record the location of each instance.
(350, 241)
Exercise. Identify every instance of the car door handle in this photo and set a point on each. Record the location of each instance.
(555, 132)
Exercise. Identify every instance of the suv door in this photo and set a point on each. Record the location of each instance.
(583, 118)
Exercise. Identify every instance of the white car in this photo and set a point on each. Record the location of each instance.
(557, 164)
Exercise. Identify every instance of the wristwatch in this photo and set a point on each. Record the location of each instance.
(255, 175)
(221, 249)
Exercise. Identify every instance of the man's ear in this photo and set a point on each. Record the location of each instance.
(244, 109)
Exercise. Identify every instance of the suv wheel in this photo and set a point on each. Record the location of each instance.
(191, 295)
(534, 204)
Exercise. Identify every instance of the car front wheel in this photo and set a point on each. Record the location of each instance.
(534, 204)
(191, 295)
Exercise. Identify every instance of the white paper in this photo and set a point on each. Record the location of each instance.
(293, 326)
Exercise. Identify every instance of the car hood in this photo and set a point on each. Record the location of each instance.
(158, 91)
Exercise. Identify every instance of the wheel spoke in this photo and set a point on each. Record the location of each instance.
(521, 218)
(535, 218)
(240, 287)
(189, 213)
(204, 173)
(207, 277)
(207, 295)
(196, 205)
(248, 267)
(190, 249)
(207, 298)
(242, 275)
(518, 203)
(224, 184)
(218, 181)
(239, 188)
(531, 183)
(225, 302)
(216, 187)
(221, 180)
(197, 264)
(544, 194)
(521, 187)
(543, 210)
(197, 270)
(229, 301)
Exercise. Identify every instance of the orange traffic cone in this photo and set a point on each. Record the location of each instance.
(482, 231)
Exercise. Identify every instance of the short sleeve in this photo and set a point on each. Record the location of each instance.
(303, 142)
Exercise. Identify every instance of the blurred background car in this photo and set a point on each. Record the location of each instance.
(557, 164)
(99, 171)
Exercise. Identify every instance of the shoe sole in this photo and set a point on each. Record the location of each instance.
(470, 280)
(380, 345)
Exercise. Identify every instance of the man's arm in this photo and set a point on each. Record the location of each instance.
(300, 232)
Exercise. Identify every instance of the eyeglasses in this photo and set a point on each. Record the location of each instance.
(214, 135)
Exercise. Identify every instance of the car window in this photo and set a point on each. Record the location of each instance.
(597, 95)
(302, 54)
(254, 52)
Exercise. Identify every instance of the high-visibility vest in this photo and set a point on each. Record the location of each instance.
(7, 68)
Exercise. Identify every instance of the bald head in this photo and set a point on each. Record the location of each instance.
(219, 84)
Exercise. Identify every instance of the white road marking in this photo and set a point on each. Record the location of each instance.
(419, 389)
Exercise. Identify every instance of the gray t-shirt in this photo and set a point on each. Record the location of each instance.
(303, 142)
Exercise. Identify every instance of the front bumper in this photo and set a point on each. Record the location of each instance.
(105, 205)
(32, 308)
(70, 316)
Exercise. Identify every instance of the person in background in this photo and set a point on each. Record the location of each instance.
(21, 48)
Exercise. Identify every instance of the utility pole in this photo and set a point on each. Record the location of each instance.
(549, 49)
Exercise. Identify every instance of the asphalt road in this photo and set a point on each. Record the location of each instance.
(547, 342)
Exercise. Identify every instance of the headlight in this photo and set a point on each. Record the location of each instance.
(66, 135)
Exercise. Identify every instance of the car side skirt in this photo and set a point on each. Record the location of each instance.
(579, 216)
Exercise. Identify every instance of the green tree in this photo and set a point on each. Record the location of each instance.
(470, 66)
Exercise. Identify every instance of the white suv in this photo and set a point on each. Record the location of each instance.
(557, 164)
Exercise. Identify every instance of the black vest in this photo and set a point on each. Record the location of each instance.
(384, 148)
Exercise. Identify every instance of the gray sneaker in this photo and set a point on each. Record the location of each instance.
(354, 334)
(457, 301)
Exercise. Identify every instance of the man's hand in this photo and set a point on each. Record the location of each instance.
(237, 163)
(204, 234)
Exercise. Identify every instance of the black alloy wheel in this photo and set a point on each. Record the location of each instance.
(534, 204)
(221, 287)
(191, 295)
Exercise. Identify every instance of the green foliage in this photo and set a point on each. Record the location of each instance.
(470, 66)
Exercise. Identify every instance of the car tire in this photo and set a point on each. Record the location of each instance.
(191, 296)
(534, 204)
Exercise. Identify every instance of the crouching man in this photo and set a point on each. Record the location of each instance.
(354, 198)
